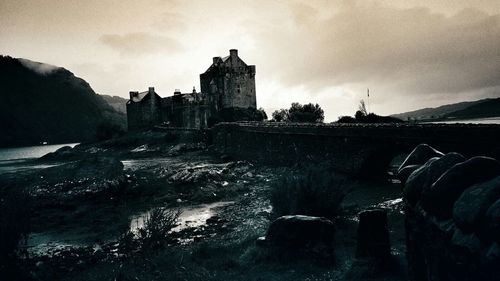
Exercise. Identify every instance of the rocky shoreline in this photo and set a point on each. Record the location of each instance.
(85, 203)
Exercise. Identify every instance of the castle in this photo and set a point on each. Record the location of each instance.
(228, 83)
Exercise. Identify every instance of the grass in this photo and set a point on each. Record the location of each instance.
(316, 192)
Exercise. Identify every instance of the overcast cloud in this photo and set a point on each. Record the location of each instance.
(411, 54)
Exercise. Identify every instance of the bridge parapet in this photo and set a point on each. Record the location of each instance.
(351, 147)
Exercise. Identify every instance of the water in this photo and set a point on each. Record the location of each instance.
(17, 153)
(190, 217)
(490, 120)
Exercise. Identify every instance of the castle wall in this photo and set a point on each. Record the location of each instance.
(232, 81)
(144, 114)
(239, 89)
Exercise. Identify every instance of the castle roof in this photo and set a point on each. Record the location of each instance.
(139, 96)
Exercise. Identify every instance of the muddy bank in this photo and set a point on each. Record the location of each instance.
(91, 198)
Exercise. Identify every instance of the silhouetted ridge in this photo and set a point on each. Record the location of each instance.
(44, 103)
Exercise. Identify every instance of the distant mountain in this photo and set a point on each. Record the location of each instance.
(456, 110)
(44, 103)
(116, 102)
(487, 108)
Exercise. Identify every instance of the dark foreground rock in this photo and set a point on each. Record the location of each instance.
(440, 197)
(422, 178)
(452, 230)
(301, 236)
(420, 155)
(373, 235)
(470, 208)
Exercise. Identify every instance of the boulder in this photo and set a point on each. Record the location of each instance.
(470, 208)
(440, 197)
(491, 222)
(63, 153)
(404, 173)
(440, 166)
(302, 234)
(425, 176)
(373, 235)
(468, 243)
(420, 155)
(415, 182)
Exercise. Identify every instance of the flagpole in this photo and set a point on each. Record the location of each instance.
(368, 98)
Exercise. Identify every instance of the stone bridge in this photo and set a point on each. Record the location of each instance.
(358, 149)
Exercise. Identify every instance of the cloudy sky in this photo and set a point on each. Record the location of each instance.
(410, 53)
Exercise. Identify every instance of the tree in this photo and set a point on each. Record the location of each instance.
(280, 115)
(346, 119)
(311, 113)
(362, 108)
(260, 114)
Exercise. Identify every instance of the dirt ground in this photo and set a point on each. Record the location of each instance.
(215, 242)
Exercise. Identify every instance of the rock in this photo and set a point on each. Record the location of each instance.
(473, 203)
(468, 243)
(405, 172)
(441, 196)
(415, 182)
(299, 233)
(373, 235)
(425, 176)
(420, 155)
(261, 242)
(63, 153)
(439, 167)
(491, 222)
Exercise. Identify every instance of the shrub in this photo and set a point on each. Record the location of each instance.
(153, 235)
(317, 192)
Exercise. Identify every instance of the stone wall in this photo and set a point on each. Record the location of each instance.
(452, 218)
(351, 148)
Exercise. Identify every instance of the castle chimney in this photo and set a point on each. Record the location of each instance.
(233, 53)
(151, 89)
(215, 60)
(133, 94)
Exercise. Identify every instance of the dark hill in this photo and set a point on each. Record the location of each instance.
(40, 102)
(435, 112)
(116, 102)
(486, 108)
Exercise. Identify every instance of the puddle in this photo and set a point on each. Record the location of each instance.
(392, 205)
(190, 217)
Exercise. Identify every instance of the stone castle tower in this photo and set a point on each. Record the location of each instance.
(230, 81)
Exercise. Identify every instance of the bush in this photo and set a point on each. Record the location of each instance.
(15, 209)
(317, 192)
(153, 235)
